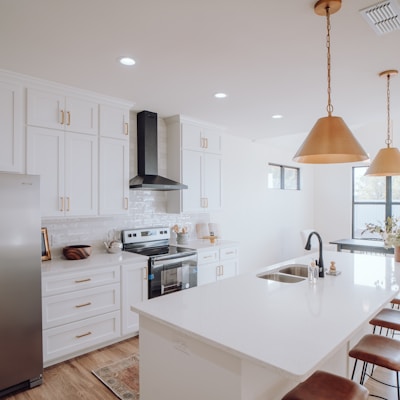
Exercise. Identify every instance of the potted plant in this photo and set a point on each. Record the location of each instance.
(390, 233)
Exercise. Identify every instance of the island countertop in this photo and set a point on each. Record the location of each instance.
(290, 327)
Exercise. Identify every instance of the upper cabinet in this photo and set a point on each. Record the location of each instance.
(78, 142)
(56, 110)
(195, 159)
(114, 122)
(11, 135)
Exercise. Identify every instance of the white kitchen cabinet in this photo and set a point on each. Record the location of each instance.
(134, 289)
(195, 159)
(80, 310)
(114, 176)
(11, 117)
(67, 163)
(114, 121)
(216, 263)
(56, 110)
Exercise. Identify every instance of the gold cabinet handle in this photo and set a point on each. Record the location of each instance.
(68, 204)
(68, 118)
(126, 129)
(206, 142)
(83, 305)
(62, 117)
(230, 252)
(62, 203)
(83, 334)
(145, 273)
(83, 280)
(126, 203)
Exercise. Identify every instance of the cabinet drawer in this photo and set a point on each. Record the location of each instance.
(227, 253)
(69, 282)
(70, 307)
(207, 256)
(67, 339)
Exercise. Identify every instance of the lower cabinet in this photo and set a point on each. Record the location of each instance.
(134, 289)
(80, 310)
(216, 263)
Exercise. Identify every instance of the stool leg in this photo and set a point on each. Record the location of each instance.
(363, 373)
(354, 369)
(398, 385)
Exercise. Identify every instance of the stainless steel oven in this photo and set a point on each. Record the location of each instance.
(170, 268)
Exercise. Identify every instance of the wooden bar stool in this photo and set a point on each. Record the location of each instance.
(396, 302)
(386, 318)
(377, 350)
(325, 386)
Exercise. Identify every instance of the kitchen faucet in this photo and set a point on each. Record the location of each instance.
(321, 271)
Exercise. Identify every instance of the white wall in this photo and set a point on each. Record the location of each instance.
(266, 222)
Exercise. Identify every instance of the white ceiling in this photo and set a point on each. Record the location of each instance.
(268, 56)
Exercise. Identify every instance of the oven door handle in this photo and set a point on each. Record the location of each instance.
(167, 264)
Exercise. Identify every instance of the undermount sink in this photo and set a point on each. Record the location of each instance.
(281, 277)
(295, 269)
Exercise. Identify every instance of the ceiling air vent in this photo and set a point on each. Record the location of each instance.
(383, 17)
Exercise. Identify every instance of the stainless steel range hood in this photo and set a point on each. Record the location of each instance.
(147, 177)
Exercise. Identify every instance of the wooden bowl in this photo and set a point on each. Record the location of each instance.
(77, 252)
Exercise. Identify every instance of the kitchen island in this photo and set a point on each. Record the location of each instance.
(250, 338)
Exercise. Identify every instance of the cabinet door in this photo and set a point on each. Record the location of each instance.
(114, 176)
(45, 109)
(227, 269)
(207, 273)
(11, 127)
(212, 141)
(81, 115)
(114, 122)
(134, 290)
(192, 174)
(212, 182)
(191, 137)
(45, 157)
(81, 174)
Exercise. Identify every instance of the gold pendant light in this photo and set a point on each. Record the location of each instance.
(330, 140)
(387, 161)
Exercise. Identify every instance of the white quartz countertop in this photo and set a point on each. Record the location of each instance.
(292, 327)
(98, 258)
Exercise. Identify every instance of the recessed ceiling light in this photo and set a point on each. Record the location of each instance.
(277, 116)
(220, 95)
(127, 61)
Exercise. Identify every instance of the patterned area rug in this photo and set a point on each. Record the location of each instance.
(121, 377)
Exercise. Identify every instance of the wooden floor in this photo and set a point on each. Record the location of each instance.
(73, 379)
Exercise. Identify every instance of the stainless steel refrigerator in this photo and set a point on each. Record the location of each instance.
(21, 359)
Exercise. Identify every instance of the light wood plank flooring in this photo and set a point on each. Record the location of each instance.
(73, 379)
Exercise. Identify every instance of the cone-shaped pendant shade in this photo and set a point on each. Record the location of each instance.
(330, 141)
(386, 163)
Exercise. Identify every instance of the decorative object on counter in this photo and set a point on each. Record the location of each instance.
(332, 270)
(387, 161)
(182, 234)
(389, 231)
(210, 231)
(77, 252)
(313, 272)
(46, 253)
(330, 140)
(113, 244)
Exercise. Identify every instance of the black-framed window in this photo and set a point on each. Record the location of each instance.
(374, 199)
(283, 177)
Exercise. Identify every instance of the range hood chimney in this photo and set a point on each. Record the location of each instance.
(147, 177)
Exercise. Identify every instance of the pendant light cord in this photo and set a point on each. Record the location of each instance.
(329, 107)
(388, 140)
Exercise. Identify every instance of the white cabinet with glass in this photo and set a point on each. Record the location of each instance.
(195, 159)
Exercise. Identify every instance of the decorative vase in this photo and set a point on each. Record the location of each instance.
(397, 253)
(182, 238)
